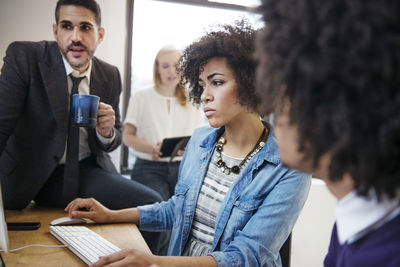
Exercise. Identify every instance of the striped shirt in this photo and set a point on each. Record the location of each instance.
(213, 190)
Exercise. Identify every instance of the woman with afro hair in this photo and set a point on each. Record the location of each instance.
(234, 203)
(330, 71)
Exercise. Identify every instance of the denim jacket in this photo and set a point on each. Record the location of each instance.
(256, 216)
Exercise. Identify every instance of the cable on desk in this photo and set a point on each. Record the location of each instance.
(35, 245)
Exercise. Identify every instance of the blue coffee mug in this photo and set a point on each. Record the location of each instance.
(84, 110)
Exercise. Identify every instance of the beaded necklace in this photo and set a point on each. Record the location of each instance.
(237, 168)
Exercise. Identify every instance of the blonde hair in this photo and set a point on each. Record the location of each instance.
(181, 93)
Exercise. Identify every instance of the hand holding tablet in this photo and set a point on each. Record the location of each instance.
(170, 146)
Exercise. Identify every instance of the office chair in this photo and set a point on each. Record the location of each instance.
(285, 251)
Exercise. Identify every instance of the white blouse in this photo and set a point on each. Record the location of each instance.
(148, 111)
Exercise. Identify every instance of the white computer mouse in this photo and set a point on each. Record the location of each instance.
(67, 221)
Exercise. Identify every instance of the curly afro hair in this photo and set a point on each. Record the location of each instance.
(235, 43)
(338, 65)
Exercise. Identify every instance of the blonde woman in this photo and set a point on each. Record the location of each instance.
(156, 113)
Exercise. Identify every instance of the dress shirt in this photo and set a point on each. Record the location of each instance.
(358, 215)
(84, 89)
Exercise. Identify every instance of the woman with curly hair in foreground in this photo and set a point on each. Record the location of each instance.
(234, 203)
(331, 72)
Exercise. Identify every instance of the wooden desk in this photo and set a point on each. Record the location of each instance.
(122, 235)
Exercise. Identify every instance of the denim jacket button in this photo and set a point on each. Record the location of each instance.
(245, 206)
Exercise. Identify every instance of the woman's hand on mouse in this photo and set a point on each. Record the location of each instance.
(94, 210)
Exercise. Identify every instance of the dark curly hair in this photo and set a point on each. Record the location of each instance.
(338, 65)
(235, 43)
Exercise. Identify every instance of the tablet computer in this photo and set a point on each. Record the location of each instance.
(168, 145)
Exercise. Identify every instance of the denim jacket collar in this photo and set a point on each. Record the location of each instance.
(269, 153)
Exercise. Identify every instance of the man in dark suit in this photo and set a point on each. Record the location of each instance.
(35, 86)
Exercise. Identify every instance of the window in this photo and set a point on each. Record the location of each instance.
(158, 23)
(249, 3)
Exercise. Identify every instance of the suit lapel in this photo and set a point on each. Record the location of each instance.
(98, 86)
(55, 81)
(98, 82)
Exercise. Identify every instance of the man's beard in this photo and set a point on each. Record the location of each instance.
(64, 52)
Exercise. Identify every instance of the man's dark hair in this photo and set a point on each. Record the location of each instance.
(89, 4)
(338, 65)
(235, 43)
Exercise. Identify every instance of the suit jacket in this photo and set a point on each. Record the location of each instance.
(34, 117)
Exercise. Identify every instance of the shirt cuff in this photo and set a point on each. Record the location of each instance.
(149, 217)
(106, 140)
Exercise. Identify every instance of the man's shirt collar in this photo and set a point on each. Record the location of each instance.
(358, 215)
(75, 73)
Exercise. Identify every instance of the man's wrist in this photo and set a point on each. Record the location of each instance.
(106, 140)
(111, 134)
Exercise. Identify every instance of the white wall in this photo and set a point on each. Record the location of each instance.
(26, 20)
(311, 234)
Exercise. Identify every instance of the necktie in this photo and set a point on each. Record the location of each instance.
(71, 170)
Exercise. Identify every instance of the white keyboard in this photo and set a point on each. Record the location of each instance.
(83, 242)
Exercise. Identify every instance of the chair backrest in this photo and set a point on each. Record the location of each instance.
(285, 252)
